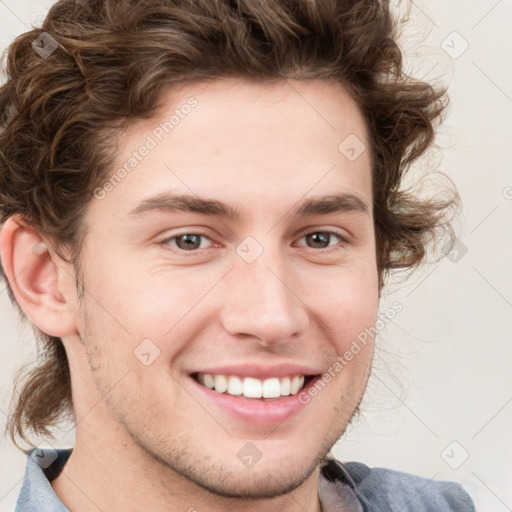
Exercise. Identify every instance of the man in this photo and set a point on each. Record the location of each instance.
(200, 201)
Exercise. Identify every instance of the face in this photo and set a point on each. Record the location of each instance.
(256, 281)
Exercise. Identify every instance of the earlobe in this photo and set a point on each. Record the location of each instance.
(32, 270)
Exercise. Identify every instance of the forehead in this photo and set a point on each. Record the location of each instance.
(238, 140)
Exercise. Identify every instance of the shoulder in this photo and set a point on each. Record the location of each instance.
(388, 490)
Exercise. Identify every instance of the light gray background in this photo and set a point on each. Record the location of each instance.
(442, 386)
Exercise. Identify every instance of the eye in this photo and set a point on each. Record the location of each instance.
(322, 239)
(190, 242)
(186, 241)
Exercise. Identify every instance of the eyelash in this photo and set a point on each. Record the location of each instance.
(342, 241)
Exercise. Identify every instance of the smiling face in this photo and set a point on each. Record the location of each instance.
(236, 252)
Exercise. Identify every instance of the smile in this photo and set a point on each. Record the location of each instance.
(250, 387)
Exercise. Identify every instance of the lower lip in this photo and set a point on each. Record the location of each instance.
(256, 411)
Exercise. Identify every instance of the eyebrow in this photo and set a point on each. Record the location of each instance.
(169, 202)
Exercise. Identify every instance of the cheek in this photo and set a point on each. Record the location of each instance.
(347, 301)
(142, 325)
(133, 301)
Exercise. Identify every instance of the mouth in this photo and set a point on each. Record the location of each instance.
(252, 388)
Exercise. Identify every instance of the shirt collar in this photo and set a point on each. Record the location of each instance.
(36, 492)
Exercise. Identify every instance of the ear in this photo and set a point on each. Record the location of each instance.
(38, 278)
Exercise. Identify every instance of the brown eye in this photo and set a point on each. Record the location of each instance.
(321, 239)
(186, 242)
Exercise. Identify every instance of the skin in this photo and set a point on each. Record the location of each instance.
(145, 438)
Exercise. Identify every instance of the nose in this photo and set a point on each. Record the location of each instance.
(260, 301)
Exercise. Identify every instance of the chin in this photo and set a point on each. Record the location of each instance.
(224, 474)
(251, 483)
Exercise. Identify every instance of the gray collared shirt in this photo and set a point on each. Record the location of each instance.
(347, 487)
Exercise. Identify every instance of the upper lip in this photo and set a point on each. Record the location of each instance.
(259, 371)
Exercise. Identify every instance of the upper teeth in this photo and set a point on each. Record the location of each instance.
(251, 387)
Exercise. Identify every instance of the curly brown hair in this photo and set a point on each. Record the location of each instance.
(61, 111)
